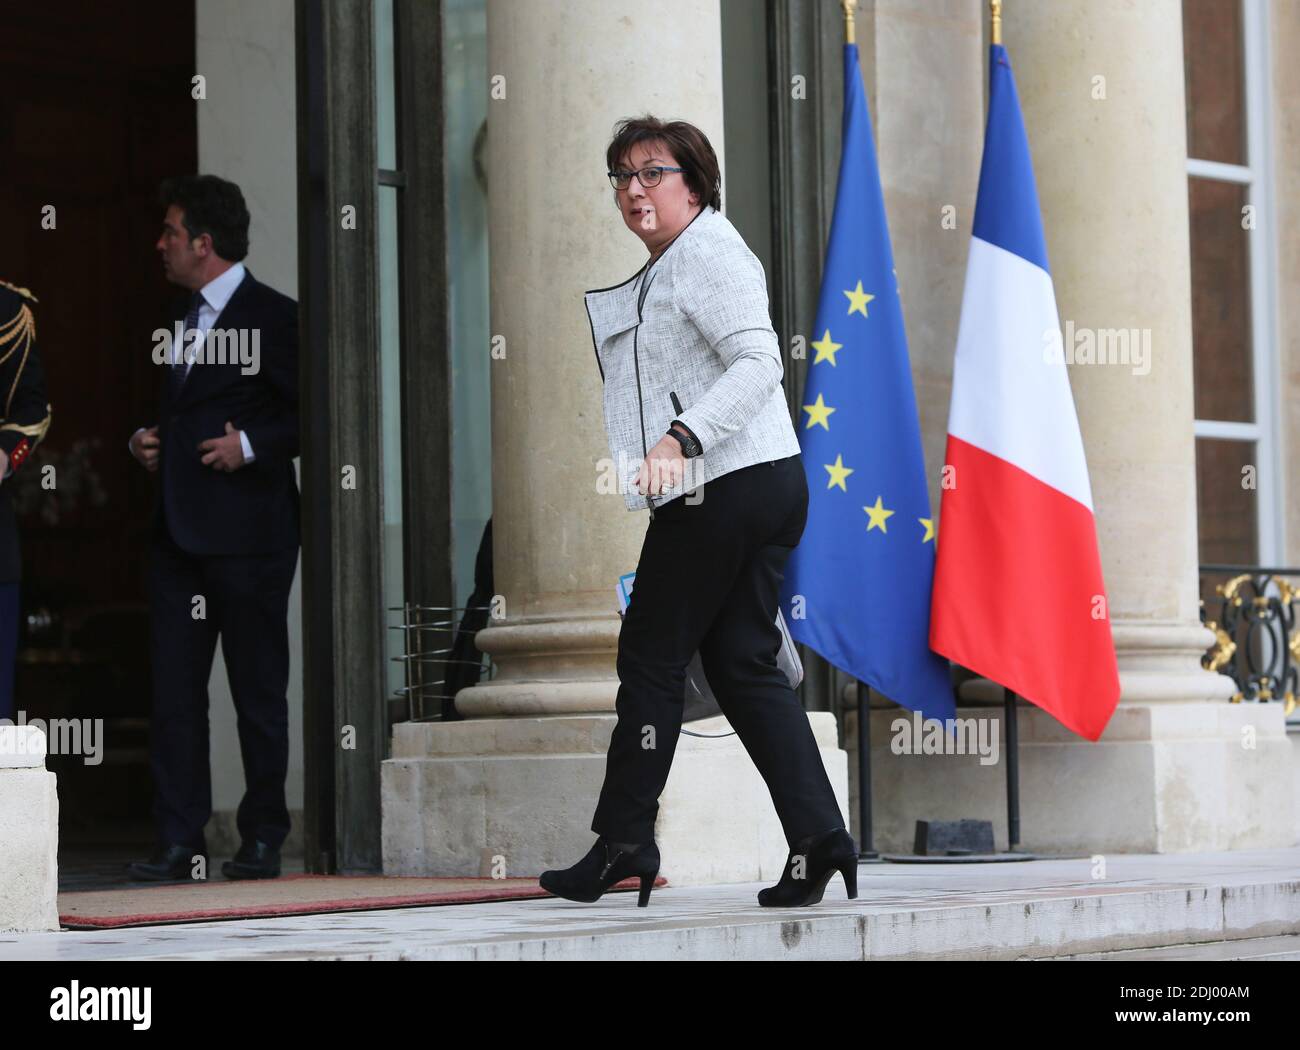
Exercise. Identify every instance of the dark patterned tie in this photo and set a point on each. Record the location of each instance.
(178, 368)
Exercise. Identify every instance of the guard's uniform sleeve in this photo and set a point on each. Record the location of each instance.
(26, 411)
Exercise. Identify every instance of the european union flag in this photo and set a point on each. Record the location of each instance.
(857, 588)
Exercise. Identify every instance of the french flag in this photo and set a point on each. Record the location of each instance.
(1018, 595)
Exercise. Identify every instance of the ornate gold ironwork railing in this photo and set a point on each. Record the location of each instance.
(1253, 617)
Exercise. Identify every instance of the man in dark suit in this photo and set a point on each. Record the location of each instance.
(24, 418)
(225, 533)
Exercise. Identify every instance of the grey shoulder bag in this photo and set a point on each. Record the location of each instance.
(787, 658)
(699, 699)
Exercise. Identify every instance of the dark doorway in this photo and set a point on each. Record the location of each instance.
(95, 109)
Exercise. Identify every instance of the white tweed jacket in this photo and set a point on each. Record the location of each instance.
(693, 323)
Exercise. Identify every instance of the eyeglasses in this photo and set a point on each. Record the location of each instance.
(648, 177)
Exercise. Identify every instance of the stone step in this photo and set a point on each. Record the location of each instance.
(1028, 910)
(1260, 949)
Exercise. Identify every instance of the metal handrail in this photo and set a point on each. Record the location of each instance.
(417, 656)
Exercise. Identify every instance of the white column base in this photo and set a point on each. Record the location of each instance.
(514, 797)
(1166, 777)
(29, 833)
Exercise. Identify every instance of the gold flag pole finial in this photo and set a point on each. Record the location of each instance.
(996, 7)
(848, 6)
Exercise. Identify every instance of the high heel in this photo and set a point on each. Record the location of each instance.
(850, 873)
(605, 864)
(822, 855)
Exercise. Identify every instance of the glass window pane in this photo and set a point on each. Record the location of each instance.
(1227, 500)
(1213, 49)
(1221, 335)
(390, 420)
(465, 73)
(385, 86)
(1227, 510)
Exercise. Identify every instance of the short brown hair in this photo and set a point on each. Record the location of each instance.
(688, 144)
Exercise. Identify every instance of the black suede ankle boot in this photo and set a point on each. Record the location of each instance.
(605, 864)
(810, 865)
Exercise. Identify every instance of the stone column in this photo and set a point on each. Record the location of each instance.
(561, 74)
(1103, 94)
(1101, 85)
(1178, 768)
(513, 787)
(921, 62)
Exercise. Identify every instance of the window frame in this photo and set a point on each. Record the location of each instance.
(1256, 176)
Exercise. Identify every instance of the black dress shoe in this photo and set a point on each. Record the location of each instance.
(169, 863)
(817, 858)
(605, 864)
(255, 860)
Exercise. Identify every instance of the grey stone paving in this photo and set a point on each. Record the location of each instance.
(1039, 909)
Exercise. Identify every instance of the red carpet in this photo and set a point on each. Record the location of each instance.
(287, 895)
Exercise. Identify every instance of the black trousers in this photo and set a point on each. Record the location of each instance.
(245, 600)
(708, 578)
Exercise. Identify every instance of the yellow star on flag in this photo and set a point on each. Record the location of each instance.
(826, 349)
(838, 473)
(818, 414)
(878, 515)
(858, 300)
(929, 529)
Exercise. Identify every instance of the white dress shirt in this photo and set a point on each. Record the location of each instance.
(216, 293)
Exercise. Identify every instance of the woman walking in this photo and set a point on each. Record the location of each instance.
(701, 436)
